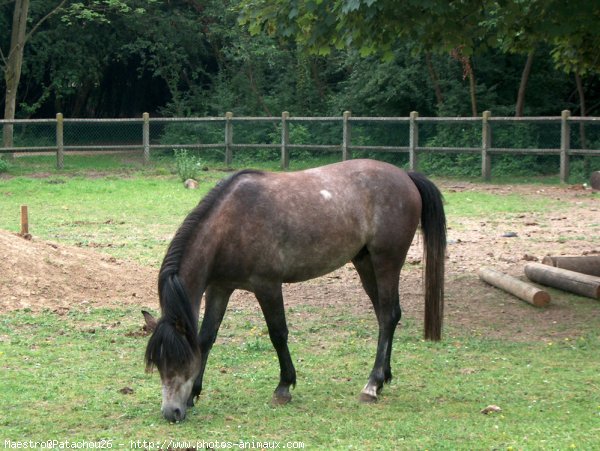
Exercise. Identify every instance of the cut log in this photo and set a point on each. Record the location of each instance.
(564, 279)
(588, 264)
(516, 287)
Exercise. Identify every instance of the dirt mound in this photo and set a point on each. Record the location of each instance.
(40, 275)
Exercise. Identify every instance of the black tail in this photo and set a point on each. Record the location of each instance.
(433, 225)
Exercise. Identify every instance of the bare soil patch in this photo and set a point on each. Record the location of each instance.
(40, 275)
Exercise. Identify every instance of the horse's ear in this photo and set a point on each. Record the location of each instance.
(150, 321)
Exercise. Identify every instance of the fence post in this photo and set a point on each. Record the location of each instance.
(285, 140)
(565, 145)
(146, 137)
(228, 138)
(413, 142)
(346, 131)
(60, 143)
(486, 143)
(24, 221)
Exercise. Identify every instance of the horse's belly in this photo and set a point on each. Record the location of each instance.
(311, 263)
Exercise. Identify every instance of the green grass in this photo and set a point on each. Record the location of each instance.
(128, 209)
(488, 205)
(61, 376)
(71, 370)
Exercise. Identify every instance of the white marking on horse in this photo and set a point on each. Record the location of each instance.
(325, 194)
(370, 390)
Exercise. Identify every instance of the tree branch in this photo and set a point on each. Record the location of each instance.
(43, 19)
(3, 58)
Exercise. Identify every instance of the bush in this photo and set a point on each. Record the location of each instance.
(3, 165)
(182, 133)
(188, 165)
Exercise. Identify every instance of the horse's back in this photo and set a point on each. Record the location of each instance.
(304, 224)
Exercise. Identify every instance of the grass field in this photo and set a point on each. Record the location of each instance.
(79, 377)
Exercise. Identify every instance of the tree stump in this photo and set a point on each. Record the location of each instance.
(595, 181)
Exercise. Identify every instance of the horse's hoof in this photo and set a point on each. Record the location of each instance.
(366, 398)
(281, 399)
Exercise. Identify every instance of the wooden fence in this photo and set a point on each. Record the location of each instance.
(487, 122)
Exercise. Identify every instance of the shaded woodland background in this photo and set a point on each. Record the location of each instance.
(191, 57)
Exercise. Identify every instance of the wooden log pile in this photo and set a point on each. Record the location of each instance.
(579, 275)
(589, 264)
(564, 279)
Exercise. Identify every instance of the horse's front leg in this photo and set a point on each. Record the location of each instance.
(270, 299)
(217, 299)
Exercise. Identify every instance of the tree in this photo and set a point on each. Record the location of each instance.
(12, 61)
(460, 28)
(375, 27)
(569, 28)
(371, 26)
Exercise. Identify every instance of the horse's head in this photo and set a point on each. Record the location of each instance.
(173, 349)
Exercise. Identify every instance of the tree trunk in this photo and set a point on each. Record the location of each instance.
(14, 62)
(523, 85)
(582, 109)
(439, 97)
(472, 88)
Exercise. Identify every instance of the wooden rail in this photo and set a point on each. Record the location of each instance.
(487, 122)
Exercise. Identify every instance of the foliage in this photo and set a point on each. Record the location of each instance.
(376, 57)
(186, 133)
(188, 165)
(377, 26)
(373, 26)
(3, 164)
(99, 11)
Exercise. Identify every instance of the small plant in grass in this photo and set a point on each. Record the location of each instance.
(188, 165)
(3, 165)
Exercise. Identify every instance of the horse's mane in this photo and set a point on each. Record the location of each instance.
(174, 341)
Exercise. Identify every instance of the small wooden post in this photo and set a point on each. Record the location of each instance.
(413, 142)
(285, 140)
(24, 221)
(228, 138)
(146, 137)
(60, 144)
(595, 181)
(565, 145)
(486, 143)
(347, 131)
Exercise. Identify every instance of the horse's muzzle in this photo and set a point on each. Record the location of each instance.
(174, 413)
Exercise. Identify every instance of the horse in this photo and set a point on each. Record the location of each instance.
(256, 230)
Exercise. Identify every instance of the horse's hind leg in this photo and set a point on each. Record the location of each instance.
(271, 302)
(380, 278)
